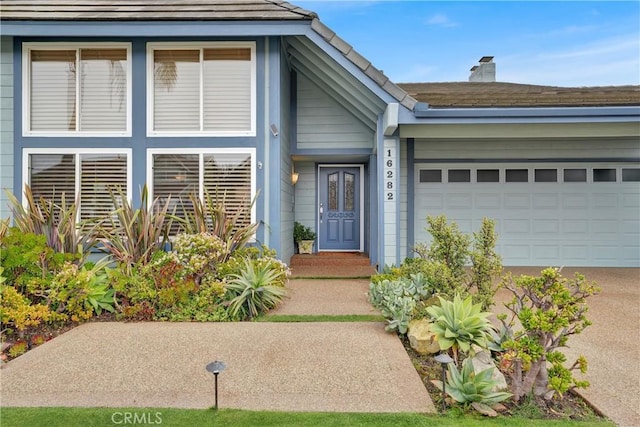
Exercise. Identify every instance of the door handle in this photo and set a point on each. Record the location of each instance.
(321, 211)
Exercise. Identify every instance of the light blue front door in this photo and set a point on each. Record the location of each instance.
(339, 210)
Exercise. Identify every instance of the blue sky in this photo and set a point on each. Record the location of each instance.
(566, 43)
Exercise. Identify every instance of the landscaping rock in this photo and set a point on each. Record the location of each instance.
(421, 338)
(482, 361)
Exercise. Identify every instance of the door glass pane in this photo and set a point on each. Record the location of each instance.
(176, 90)
(53, 90)
(333, 192)
(349, 191)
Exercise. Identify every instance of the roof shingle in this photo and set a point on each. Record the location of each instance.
(505, 95)
(147, 10)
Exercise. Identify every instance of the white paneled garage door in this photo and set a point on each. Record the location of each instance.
(573, 214)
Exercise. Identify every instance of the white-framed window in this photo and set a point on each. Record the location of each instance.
(201, 89)
(90, 172)
(227, 174)
(76, 89)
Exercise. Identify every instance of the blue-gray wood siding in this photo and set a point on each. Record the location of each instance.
(286, 187)
(6, 122)
(322, 123)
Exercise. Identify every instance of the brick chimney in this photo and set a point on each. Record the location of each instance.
(485, 71)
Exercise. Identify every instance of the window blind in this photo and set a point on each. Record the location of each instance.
(52, 175)
(176, 90)
(103, 89)
(100, 174)
(227, 177)
(176, 175)
(53, 90)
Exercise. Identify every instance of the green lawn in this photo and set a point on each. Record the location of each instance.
(95, 417)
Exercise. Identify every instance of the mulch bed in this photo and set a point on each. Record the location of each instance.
(571, 407)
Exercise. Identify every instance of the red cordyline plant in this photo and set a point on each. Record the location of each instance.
(58, 222)
(131, 235)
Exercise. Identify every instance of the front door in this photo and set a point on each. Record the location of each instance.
(339, 208)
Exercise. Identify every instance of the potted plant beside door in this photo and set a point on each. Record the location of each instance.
(304, 237)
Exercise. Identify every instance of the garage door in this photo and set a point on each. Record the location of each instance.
(573, 214)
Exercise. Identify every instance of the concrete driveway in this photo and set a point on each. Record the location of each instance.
(611, 344)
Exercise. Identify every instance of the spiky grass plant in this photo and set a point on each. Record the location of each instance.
(253, 290)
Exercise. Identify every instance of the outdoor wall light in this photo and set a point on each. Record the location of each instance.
(444, 359)
(215, 368)
(294, 177)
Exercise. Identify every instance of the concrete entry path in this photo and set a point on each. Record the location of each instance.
(350, 367)
(327, 296)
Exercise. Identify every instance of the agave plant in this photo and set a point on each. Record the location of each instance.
(58, 222)
(467, 386)
(213, 216)
(132, 235)
(460, 324)
(253, 290)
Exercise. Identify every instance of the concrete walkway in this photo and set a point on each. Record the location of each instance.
(338, 367)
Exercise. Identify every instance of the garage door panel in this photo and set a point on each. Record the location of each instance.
(575, 201)
(575, 226)
(549, 254)
(604, 200)
(572, 224)
(459, 201)
(517, 201)
(516, 226)
(546, 201)
(546, 226)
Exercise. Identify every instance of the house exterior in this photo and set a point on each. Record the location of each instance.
(241, 96)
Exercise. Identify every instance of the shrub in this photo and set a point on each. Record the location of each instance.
(28, 263)
(397, 299)
(460, 324)
(444, 262)
(199, 254)
(252, 291)
(550, 308)
(55, 221)
(17, 311)
(213, 216)
(466, 386)
(131, 235)
(300, 232)
(79, 292)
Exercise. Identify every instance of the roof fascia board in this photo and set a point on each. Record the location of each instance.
(337, 56)
(521, 115)
(152, 28)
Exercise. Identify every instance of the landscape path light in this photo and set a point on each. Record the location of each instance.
(444, 359)
(215, 368)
